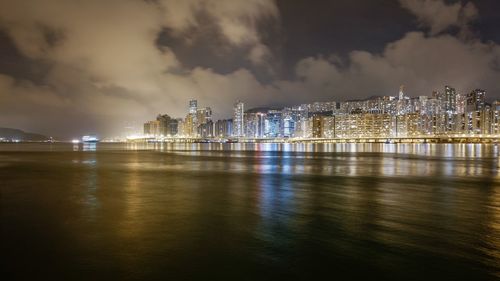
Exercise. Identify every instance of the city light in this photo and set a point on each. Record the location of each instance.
(444, 116)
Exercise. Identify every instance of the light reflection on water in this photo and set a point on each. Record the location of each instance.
(398, 160)
(265, 211)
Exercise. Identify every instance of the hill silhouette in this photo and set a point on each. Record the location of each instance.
(16, 134)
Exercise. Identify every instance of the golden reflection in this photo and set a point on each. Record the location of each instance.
(388, 166)
(493, 238)
(131, 224)
(345, 158)
(91, 180)
(358, 204)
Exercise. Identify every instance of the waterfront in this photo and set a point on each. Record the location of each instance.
(250, 211)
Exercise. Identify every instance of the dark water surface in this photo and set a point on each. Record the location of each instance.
(250, 212)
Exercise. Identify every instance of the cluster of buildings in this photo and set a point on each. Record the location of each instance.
(443, 113)
(198, 123)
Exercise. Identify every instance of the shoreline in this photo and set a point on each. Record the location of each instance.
(405, 140)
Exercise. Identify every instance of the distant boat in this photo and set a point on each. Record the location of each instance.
(90, 139)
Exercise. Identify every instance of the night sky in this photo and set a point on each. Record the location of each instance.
(74, 67)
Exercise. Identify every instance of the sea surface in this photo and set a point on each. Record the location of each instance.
(250, 211)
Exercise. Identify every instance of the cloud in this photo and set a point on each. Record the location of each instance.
(105, 69)
(440, 16)
(412, 60)
(236, 20)
(104, 60)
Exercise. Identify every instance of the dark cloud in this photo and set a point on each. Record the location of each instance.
(439, 16)
(412, 61)
(106, 64)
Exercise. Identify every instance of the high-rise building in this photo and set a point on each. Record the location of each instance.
(238, 119)
(408, 125)
(147, 128)
(190, 128)
(288, 126)
(203, 115)
(474, 118)
(475, 100)
(361, 125)
(449, 99)
(317, 126)
(301, 128)
(496, 105)
(181, 126)
(152, 128)
(224, 128)
(164, 124)
(461, 103)
(193, 106)
(206, 130)
(255, 123)
(190, 124)
(495, 118)
(273, 124)
(329, 127)
(173, 126)
(404, 103)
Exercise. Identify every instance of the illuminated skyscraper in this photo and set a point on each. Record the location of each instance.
(475, 100)
(288, 126)
(475, 115)
(152, 128)
(224, 128)
(255, 123)
(190, 122)
(193, 106)
(190, 128)
(401, 92)
(495, 117)
(403, 104)
(461, 103)
(164, 124)
(238, 119)
(449, 99)
(317, 126)
(496, 105)
(273, 124)
(203, 115)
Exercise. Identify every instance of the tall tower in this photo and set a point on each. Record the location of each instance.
(400, 105)
(191, 123)
(238, 119)
(450, 100)
(193, 106)
(401, 92)
(203, 115)
(475, 100)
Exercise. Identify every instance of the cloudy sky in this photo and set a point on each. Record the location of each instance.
(69, 67)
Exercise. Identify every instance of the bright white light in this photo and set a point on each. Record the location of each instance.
(89, 139)
(75, 141)
(136, 137)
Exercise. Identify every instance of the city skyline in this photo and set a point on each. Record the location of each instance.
(69, 68)
(443, 113)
